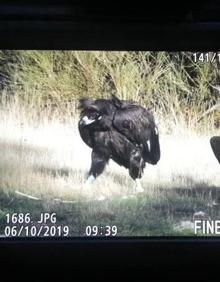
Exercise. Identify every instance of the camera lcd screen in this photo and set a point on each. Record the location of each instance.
(109, 143)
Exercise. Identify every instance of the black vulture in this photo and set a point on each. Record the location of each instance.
(119, 130)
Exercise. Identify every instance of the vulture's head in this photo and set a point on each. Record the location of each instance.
(90, 114)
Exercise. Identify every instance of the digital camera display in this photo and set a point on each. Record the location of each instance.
(109, 143)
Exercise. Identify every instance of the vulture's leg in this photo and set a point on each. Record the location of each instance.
(99, 160)
(136, 169)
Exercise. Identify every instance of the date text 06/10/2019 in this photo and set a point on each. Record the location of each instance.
(36, 231)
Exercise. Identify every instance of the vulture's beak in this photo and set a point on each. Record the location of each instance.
(86, 121)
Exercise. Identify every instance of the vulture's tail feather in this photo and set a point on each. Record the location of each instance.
(154, 148)
(215, 145)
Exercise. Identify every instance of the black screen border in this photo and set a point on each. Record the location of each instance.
(157, 255)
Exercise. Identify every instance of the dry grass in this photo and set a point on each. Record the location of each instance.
(48, 160)
(51, 161)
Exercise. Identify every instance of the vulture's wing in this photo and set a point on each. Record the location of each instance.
(135, 123)
(138, 125)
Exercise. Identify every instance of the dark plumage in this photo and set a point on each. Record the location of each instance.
(215, 145)
(119, 130)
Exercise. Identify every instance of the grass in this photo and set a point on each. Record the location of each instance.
(50, 162)
(42, 155)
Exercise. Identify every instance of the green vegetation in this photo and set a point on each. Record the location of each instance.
(171, 84)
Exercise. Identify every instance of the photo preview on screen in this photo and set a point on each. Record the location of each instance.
(109, 143)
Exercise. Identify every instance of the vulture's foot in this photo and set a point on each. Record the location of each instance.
(138, 187)
(88, 184)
